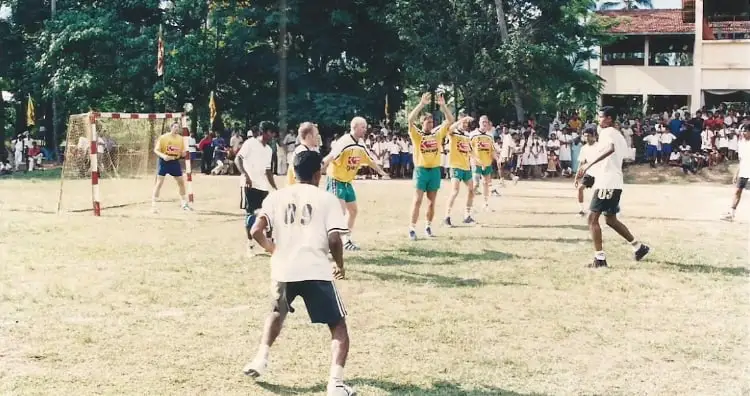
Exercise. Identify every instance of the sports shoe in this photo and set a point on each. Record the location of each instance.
(255, 368)
(250, 249)
(349, 245)
(412, 235)
(597, 263)
(495, 193)
(727, 217)
(428, 232)
(515, 180)
(641, 252)
(447, 222)
(186, 207)
(581, 214)
(340, 389)
(469, 220)
(154, 209)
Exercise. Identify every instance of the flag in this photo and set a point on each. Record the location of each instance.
(160, 55)
(386, 107)
(30, 112)
(212, 108)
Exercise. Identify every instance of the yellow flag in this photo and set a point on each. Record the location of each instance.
(30, 112)
(386, 106)
(212, 108)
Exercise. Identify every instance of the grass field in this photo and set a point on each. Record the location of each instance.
(133, 303)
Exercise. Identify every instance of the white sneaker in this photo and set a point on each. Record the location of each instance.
(250, 250)
(154, 209)
(515, 180)
(186, 207)
(727, 217)
(256, 368)
(340, 389)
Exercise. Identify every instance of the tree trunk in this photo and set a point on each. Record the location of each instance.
(501, 23)
(3, 152)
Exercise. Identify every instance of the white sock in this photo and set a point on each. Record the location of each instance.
(600, 255)
(448, 212)
(183, 199)
(412, 227)
(427, 224)
(347, 238)
(263, 351)
(732, 211)
(636, 245)
(337, 374)
(580, 205)
(468, 211)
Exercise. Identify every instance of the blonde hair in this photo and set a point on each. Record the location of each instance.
(305, 129)
(356, 121)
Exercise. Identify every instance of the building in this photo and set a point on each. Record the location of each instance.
(691, 57)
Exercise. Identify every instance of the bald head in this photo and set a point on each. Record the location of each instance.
(358, 127)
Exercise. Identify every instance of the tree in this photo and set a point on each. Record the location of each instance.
(625, 4)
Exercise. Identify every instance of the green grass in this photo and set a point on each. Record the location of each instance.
(133, 303)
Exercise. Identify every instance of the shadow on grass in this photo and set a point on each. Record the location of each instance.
(417, 278)
(441, 388)
(577, 227)
(708, 269)
(47, 174)
(417, 256)
(624, 215)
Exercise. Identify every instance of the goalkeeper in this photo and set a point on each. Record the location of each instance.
(170, 147)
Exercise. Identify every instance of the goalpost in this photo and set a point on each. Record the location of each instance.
(115, 147)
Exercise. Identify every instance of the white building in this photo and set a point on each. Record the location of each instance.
(695, 56)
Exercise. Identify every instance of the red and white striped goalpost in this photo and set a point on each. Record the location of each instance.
(93, 116)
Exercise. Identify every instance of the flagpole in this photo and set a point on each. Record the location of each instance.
(55, 145)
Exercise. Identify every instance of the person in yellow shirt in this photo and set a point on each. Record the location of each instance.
(309, 141)
(459, 160)
(170, 147)
(348, 154)
(427, 147)
(483, 150)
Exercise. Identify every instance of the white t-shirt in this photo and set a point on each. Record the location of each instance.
(394, 148)
(743, 153)
(608, 171)
(666, 138)
(565, 147)
(723, 140)
(191, 144)
(256, 159)
(652, 140)
(706, 137)
(301, 217)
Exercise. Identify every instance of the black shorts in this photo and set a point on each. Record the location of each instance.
(321, 299)
(606, 202)
(742, 183)
(588, 181)
(252, 199)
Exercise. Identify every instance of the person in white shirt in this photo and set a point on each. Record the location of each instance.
(733, 144)
(665, 139)
(742, 174)
(256, 179)
(586, 155)
(608, 185)
(722, 142)
(707, 137)
(307, 223)
(566, 155)
(394, 150)
(652, 147)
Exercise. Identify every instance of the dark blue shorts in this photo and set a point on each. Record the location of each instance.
(395, 159)
(171, 168)
(666, 149)
(651, 151)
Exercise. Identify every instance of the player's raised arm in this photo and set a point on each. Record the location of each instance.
(447, 113)
(412, 118)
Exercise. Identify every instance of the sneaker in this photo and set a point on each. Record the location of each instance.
(349, 245)
(641, 252)
(154, 210)
(255, 368)
(581, 214)
(428, 232)
(515, 180)
(447, 222)
(340, 389)
(727, 217)
(495, 192)
(412, 235)
(597, 263)
(250, 249)
(469, 220)
(186, 207)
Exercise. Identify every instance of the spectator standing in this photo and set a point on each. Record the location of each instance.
(207, 152)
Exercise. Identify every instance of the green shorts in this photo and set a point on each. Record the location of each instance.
(427, 179)
(343, 191)
(461, 174)
(483, 170)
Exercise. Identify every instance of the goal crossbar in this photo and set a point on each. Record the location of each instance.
(92, 117)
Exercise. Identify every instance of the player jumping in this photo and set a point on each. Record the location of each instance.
(426, 145)
(743, 171)
(483, 147)
(170, 147)
(347, 155)
(254, 163)
(307, 223)
(460, 167)
(309, 137)
(608, 187)
(588, 151)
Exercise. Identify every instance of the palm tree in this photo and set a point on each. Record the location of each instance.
(625, 4)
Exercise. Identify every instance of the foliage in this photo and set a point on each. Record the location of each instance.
(322, 60)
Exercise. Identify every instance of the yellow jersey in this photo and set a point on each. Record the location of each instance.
(459, 150)
(291, 177)
(171, 144)
(348, 156)
(483, 147)
(427, 146)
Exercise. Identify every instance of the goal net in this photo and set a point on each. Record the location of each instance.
(109, 160)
